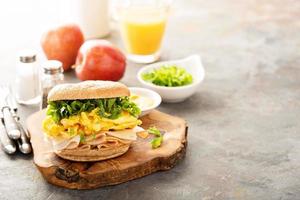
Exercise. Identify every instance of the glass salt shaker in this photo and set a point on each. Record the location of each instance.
(52, 75)
(27, 79)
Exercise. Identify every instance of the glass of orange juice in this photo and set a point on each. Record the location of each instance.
(142, 25)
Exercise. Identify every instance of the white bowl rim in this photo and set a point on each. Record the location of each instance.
(157, 98)
(139, 74)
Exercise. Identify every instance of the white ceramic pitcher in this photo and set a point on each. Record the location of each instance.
(92, 16)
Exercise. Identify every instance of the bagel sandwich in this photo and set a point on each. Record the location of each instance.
(91, 120)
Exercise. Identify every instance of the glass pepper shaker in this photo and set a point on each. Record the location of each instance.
(52, 75)
(27, 84)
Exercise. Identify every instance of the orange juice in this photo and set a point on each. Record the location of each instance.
(142, 30)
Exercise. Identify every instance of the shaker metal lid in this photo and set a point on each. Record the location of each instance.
(52, 67)
(27, 56)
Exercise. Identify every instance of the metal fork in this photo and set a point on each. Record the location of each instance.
(11, 125)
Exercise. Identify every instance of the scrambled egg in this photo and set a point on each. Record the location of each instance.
(87, 124)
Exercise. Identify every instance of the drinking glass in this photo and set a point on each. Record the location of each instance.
(142, 25)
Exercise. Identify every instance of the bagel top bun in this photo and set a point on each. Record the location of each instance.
(88, 90)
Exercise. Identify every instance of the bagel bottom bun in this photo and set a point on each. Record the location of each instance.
(90, 153)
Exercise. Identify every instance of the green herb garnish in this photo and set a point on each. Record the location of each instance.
(82, 137)
(156, 142)
(108, 108)
(71, 131)
(169, 76)
(154, 131)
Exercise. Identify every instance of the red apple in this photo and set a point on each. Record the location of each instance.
(100, 60)
(62, 44)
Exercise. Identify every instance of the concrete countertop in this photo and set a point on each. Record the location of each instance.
(243, 140)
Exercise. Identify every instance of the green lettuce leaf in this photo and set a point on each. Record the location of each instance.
(154, 131)
(169, 76)
(110, 108)
(156, 142)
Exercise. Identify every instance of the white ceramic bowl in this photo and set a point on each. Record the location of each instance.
(154, 96)
(191, 64)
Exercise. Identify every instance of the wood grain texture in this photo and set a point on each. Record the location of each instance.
(139, 161)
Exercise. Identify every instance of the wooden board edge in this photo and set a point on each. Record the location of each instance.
(76, 180)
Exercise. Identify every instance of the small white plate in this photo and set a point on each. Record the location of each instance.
(149, 94)
(191, 64)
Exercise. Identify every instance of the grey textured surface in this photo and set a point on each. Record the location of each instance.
(244, 140)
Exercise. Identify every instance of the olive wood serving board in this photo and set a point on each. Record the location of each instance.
(139, 161)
